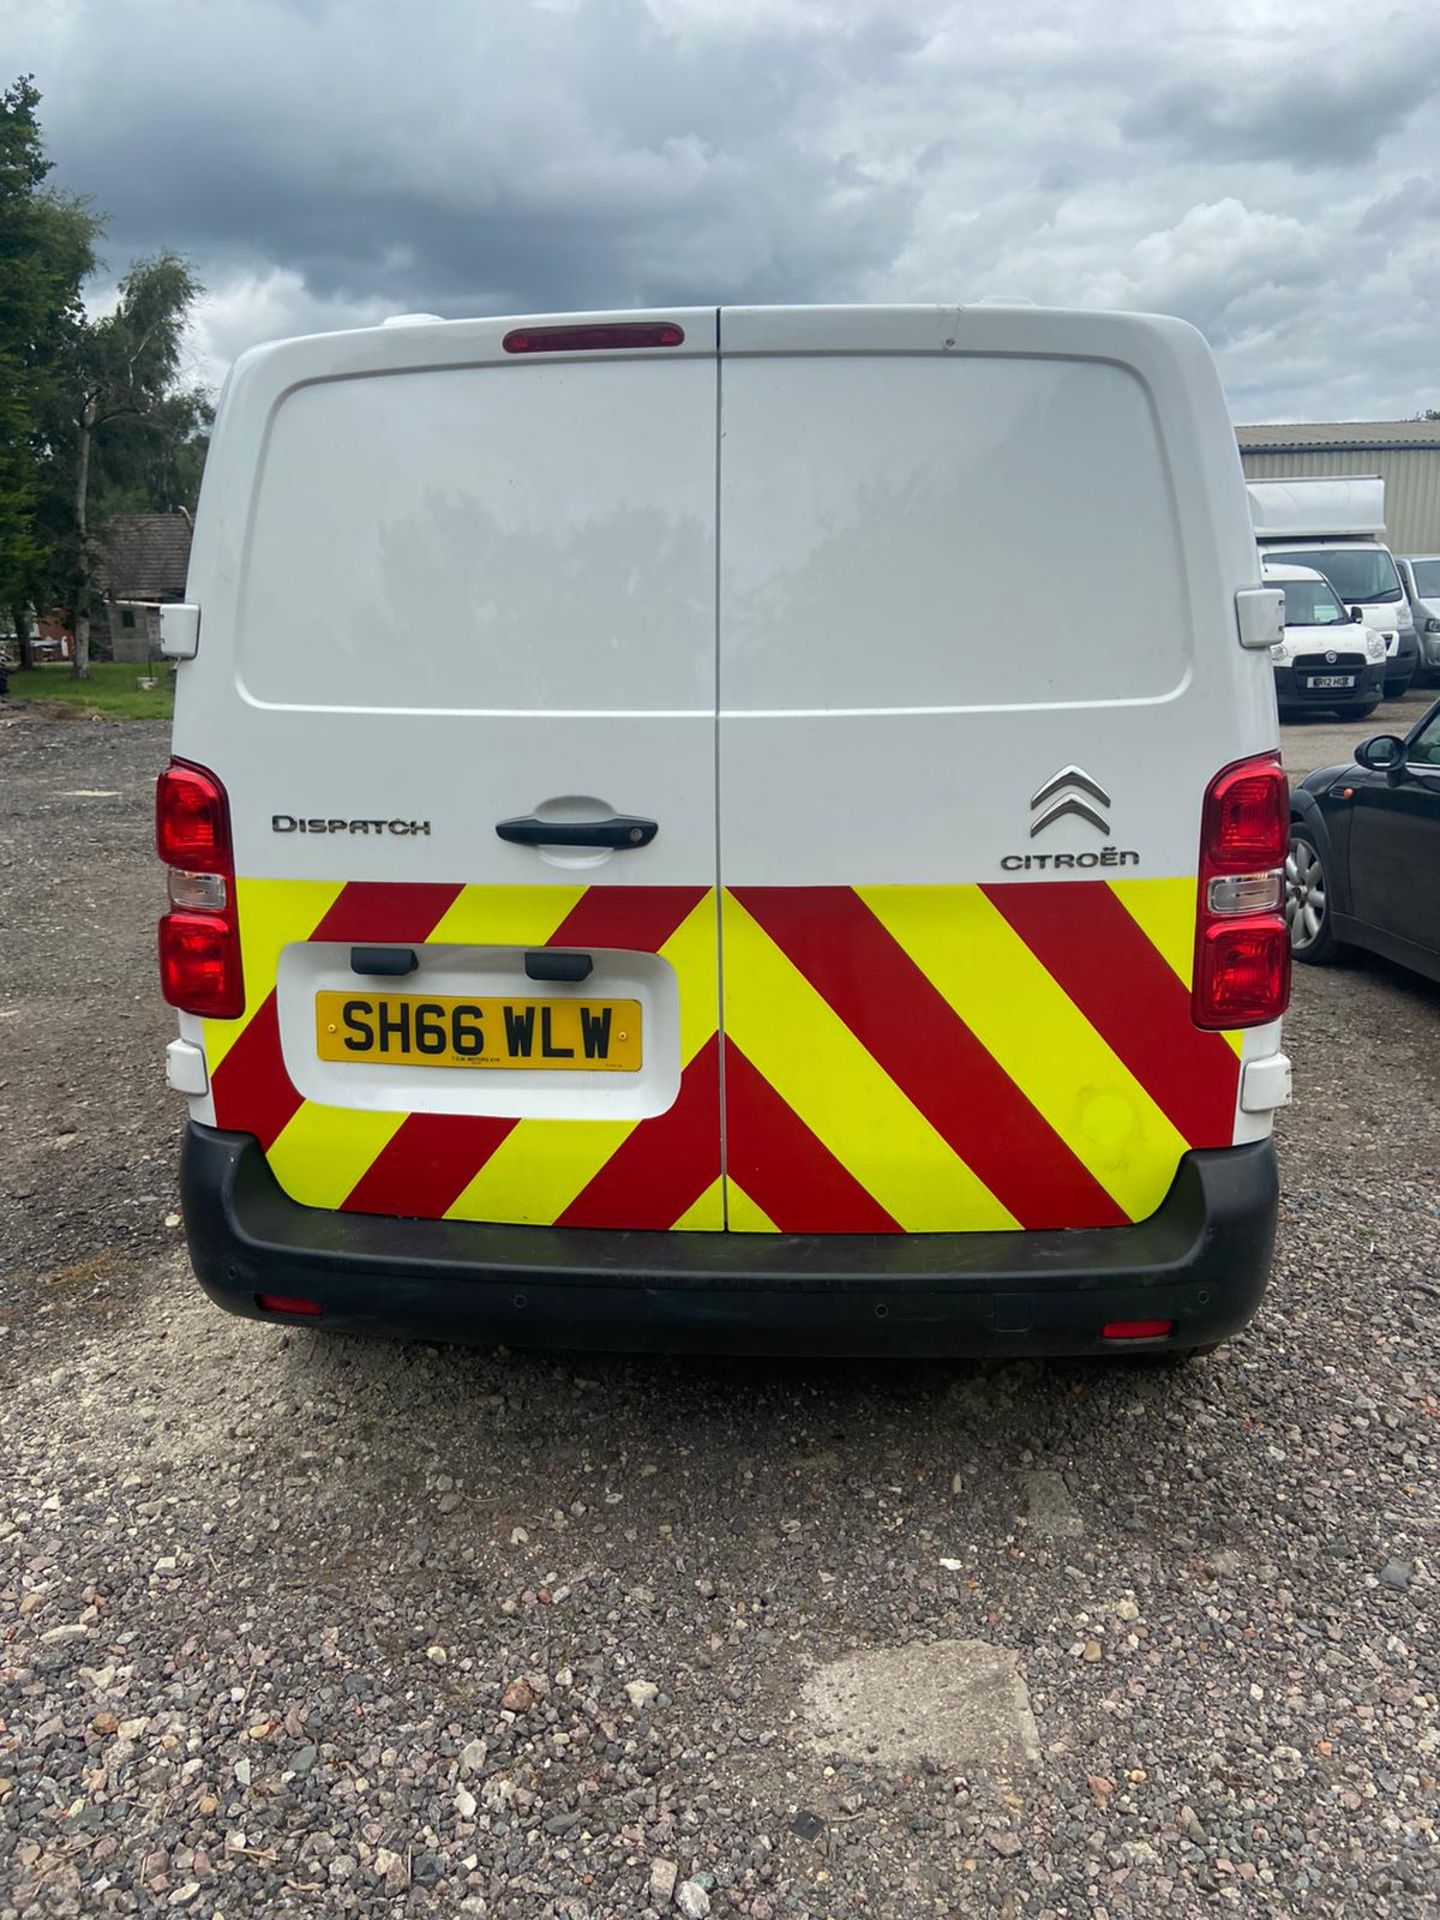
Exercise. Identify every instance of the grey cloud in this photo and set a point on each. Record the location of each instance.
(327, 161)
(1315, 106)
(562, 158)
(1414, 203)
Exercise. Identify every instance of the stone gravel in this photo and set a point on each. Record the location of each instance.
(313, 1625)
(1321, 739)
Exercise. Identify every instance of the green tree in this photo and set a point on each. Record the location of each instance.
(46, 251)
(131, 416)
(156, 467)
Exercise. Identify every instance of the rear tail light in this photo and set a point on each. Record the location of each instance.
(209, 891)
(200, 964)
(1247, 818)
(1245, 893)
(1242, 946)
(199, 939)
(592, 339)
(1243, 977)
(192, 819)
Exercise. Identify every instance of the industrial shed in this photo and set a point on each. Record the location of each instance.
(1405, 453)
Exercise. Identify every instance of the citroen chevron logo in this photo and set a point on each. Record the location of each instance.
(1063, 792)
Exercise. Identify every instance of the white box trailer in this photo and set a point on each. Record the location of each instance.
(1335, 523)
(1339, 506)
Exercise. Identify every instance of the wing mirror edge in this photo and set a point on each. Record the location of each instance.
(1382, 753)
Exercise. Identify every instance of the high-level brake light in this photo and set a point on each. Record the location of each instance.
(594, 339)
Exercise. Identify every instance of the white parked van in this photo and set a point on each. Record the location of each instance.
(1420, 577)
(1336, 523)
(629, 889)
(1326, 657)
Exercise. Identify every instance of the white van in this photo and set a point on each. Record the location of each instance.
(631, 887)
(1420, 577)
(1326, 657)
(1336, 524)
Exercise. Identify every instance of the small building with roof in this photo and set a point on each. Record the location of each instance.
(143, 562)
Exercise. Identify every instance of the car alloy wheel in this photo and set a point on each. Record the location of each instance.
(1306, 905)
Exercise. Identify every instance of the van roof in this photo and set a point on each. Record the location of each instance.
(421, 341)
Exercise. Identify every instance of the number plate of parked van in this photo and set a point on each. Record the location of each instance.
(407, 1030)
(1332, 679)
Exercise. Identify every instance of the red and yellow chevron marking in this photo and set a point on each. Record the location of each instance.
(602, 1173)
(893, 1059)
(967, 1057)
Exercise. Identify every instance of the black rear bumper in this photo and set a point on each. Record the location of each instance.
(1201, 1261)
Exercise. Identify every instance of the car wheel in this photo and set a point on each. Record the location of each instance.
(1396, 689)
(1307, 901)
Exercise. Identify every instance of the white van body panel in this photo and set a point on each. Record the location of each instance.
(328, 586)
(747, 588)
(887, 396)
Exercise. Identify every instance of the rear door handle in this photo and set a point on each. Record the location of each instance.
(621, 832)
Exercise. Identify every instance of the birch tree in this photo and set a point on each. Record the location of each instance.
(127, 369)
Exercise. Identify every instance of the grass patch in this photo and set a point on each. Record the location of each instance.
(110, 689)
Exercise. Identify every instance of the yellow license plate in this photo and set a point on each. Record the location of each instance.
(405, 1030)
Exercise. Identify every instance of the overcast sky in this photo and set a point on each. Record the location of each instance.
(1271, 172)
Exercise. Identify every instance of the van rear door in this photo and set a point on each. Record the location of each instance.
(444, 585)
(978, 663)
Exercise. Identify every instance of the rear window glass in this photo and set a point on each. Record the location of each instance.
(521, 537)
(922, 531)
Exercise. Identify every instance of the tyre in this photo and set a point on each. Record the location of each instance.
(1396, 689)
(1307, 901)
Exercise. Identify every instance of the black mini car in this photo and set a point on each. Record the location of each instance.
(1364, 865)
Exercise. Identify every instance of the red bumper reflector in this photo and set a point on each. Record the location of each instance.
(626, 333)
(287, 1303)
(1135, 1329)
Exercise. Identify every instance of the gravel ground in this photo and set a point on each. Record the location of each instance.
(323, 1626)
(1320, 739)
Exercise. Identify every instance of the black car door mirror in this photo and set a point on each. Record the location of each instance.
(1384, 753)
(1357, 614)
